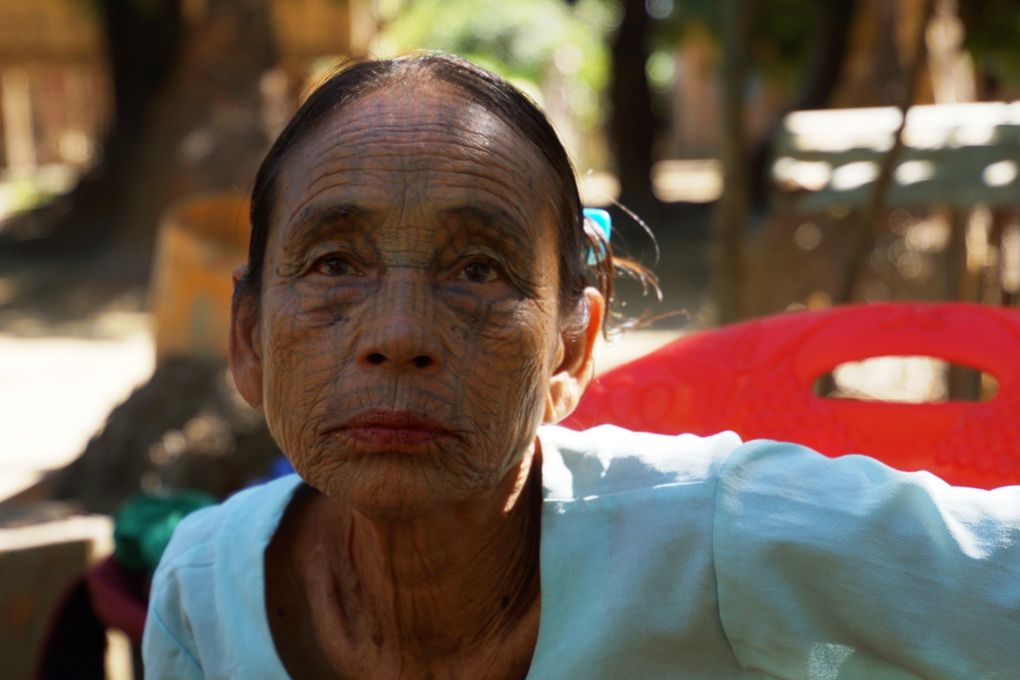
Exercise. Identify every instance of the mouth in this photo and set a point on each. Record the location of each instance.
(392, 430)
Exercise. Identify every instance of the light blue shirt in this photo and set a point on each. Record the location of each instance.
(679, 557)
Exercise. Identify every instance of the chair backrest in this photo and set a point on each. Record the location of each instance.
(757, 378)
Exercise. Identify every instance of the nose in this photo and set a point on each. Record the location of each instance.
(402, 333)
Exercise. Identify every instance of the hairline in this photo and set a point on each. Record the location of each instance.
(417, 75)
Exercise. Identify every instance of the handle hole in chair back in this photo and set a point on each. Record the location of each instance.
(905, 379)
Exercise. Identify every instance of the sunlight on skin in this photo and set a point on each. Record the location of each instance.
(406, 343)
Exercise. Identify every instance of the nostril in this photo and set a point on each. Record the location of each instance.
(422, 361)
(376, 358)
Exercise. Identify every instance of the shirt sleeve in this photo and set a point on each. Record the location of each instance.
(163, 654)
(846, 568)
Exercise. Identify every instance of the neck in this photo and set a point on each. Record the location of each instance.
(442, 584)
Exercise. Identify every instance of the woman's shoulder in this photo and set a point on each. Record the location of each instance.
(608, 459)
(250, 515)
(206, 610)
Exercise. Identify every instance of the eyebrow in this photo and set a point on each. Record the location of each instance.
(312, 220)
(494, 218)
(494, 221)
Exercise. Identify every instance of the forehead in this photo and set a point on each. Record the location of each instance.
(415, 145)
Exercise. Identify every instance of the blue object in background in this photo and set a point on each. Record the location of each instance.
(279, 467)
(601, 219)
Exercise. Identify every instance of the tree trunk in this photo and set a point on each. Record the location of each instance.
(825, 64)
(142, 41)
(197, 128)
(869, 220)
(732, 209)
(206, 132)
(632, 123)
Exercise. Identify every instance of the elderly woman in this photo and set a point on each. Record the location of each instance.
(414, 309)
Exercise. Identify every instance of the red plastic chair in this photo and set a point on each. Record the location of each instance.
(756, 378)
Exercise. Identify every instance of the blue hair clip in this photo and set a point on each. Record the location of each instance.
(601, 219)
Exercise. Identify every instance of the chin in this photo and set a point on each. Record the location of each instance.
(403, 505)
(386, 492)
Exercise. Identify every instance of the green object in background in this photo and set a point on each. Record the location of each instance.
(144, 524)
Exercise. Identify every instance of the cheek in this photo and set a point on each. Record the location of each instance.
(304, 350)
(494, 353)
(504, 366)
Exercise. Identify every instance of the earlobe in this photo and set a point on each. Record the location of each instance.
(245, 348)
(576, 367)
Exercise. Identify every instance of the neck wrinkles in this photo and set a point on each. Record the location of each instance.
(448, 581)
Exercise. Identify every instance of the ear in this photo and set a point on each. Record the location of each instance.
(576, 365)
(245, 344)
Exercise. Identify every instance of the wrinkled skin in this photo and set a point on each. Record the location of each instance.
(411, 266)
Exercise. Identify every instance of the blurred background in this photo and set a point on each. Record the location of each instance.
(762, 157)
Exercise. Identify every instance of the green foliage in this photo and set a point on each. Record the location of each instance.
(528, 42)
(782, 32)
(993, 36)
(782, 36)
(22, 194)
(661, 71)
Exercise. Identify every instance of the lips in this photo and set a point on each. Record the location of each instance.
(393, 430)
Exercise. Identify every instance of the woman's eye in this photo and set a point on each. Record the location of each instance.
(480, 271)
(334, 265)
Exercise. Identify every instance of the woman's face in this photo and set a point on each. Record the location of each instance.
(408, 339)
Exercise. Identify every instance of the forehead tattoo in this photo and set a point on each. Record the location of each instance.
(386, 181)
(478, 218)
(314, 221)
